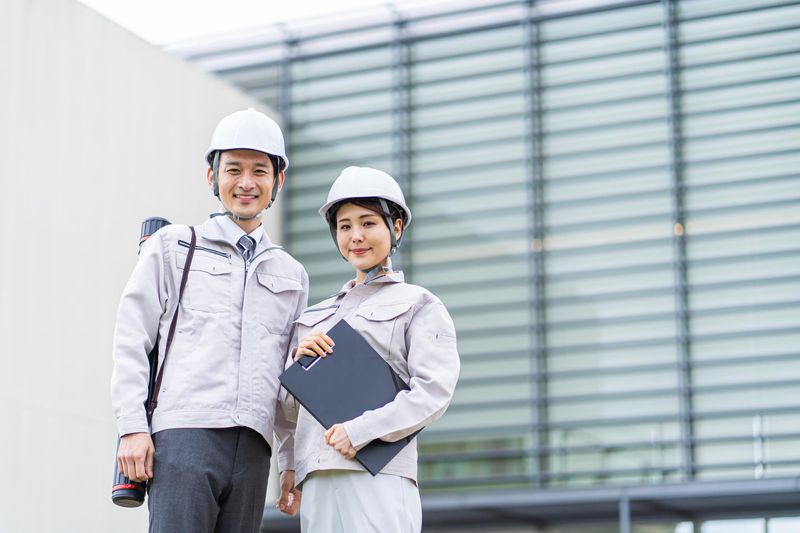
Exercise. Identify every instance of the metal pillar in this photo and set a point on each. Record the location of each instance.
(624, 514)
(686, 423)
(285, 109)
(401, 126)
(536, 239)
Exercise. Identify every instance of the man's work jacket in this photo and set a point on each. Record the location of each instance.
(232, 335)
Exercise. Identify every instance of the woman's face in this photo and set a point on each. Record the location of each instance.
(363, 237)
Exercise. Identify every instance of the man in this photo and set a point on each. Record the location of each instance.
(206, 454)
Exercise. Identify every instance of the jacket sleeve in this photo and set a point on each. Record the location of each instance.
(141, 306)
(433, 365)
(286, 409)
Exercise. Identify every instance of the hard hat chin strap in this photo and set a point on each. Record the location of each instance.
(387, 215)
(234, 216)
(378, 270)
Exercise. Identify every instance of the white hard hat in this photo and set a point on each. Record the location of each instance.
(248, 130)
(364, 182)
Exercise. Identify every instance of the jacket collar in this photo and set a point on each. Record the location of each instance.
(393, 277)
(223, 229)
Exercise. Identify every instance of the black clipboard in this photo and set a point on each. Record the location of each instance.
(344, 385)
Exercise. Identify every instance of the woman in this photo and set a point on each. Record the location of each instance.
(411, 329)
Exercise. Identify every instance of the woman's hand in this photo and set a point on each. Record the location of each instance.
(337, 438)
(315, 344)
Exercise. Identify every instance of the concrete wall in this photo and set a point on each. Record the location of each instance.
(98, 130)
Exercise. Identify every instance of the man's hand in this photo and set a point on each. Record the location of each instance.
(338, 438)
(135, 456)
(289, 501)
(315, 344)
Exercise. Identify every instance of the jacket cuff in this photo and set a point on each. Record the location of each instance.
(132, 424)
(286, 461)
(357, 432)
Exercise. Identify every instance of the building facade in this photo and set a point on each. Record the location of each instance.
(606, 196)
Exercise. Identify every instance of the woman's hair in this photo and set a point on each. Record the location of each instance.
(373, 204)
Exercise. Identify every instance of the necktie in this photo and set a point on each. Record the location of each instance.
(247, 246)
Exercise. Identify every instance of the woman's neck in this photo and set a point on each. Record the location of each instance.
(361, 276)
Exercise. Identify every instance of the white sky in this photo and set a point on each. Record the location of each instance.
(168, 21)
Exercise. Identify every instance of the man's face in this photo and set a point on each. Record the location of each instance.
(246, 179)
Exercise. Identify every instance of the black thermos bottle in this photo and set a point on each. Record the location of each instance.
(124, 492)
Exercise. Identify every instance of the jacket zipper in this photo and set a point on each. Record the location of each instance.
(334, 306)
(217, 252)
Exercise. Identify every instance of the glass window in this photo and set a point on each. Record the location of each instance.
(621, 91)
(601, 45)
(606, 308)
(736, 23)
(443, 92)
(733, 121)
(340, 63)
(612, 382)
(754, 397)
(741, 71)
(604, 114)
(597, 409)
(742, 194)
(575, 359)
(607, 21)
(344, 84)
(740, 96)
(602, 68)
(749, 46)
(506, 129)
(488, 107)
(343, 109)
(457, 66)
(474, 41)
(751, 344)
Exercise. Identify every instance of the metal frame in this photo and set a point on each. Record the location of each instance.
(285, 109)
(663, 503)
(679, 241)
(401, 136)
(536, 253)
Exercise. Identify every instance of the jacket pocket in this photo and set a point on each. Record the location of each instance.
(383, 327)
(277, 301)
(313, 316)
(379, 313)
(208, 288)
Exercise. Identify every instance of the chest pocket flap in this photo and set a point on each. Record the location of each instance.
(380, 313)
(311, 317)
(203, 263)
(278, 284)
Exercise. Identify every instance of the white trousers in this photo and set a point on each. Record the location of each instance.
(343, 501)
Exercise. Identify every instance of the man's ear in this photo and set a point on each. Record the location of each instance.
(281, 177)
(210, 177)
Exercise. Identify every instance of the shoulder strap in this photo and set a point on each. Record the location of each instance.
(151, 406)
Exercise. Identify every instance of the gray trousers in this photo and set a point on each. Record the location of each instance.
(208, 480)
